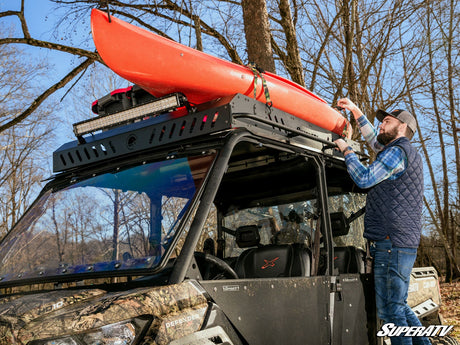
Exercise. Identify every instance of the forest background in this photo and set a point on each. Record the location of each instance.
(381, 54)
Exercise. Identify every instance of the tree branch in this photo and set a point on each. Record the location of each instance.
(40, 99)
(54, 46)
(22, 17)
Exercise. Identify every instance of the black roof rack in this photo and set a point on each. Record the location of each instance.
(238, 111)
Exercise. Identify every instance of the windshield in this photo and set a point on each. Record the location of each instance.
(111, 222)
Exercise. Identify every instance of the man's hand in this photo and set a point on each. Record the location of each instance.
(342, 146)
(345, 103)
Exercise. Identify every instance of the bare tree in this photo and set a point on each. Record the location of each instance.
(351, 48)
(21, 174)
(440, 116)
(27, 39)
(22, 156)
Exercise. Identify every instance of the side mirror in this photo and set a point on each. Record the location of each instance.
(247, 236)
(339, 223)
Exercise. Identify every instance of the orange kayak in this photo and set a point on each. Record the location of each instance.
(162, 66)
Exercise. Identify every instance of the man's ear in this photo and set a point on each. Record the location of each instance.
(402, 129)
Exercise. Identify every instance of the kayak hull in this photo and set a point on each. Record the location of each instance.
(162, 66)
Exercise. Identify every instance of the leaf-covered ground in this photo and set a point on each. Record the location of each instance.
(450, 309)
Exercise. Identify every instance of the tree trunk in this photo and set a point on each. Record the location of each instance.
(257, 32)
(56, 229)
(293, 63)
(452, 236)
(199, 41)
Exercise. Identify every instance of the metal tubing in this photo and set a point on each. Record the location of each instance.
(185, 257)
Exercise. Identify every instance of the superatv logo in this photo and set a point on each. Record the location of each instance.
(391, 330)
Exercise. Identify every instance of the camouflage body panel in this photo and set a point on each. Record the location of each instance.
(175, 325)
(30, 307)
(423, 286)
(176, 310)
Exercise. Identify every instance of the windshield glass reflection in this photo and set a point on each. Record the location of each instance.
(110, 222)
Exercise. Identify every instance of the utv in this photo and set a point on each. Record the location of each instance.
(229, 222)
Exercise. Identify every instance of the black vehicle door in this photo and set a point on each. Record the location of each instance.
(276, 311)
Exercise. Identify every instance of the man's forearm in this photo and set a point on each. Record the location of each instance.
(369, 133)
(357, 113)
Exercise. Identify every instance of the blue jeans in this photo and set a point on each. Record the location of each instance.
(392, 269)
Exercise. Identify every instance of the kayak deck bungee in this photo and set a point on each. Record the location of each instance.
(162, 66)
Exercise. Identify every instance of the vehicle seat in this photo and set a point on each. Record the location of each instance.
(349, 259)
(281, 260)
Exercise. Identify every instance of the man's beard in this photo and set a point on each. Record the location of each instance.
(387, 137)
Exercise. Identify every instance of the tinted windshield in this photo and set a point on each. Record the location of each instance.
(108, 223)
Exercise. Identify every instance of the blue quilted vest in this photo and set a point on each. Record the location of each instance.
(394, 207)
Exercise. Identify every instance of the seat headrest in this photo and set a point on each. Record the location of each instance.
(247, 236)
(271, 261)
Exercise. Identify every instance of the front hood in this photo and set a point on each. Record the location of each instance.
(55, 314)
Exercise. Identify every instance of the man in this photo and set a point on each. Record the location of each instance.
(393, 209)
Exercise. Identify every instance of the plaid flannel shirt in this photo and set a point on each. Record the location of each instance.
(390, 164)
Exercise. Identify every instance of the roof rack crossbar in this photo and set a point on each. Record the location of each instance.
(297, 132)
(286, 128)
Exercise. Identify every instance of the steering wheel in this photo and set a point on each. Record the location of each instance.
(211, 260)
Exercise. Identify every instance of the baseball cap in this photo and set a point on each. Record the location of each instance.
(402, 115)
